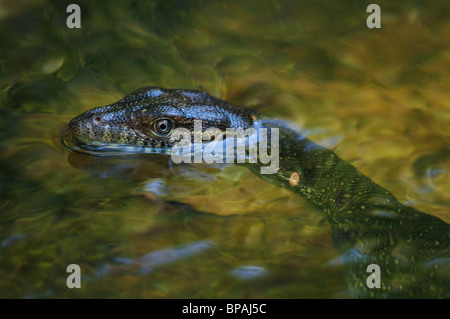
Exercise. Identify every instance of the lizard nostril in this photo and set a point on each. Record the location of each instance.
(97, 119)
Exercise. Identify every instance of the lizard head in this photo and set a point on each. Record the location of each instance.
(143, 121)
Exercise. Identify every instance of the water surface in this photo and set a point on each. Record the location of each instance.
(142, 228)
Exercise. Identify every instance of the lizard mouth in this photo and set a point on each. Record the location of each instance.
(81, 144)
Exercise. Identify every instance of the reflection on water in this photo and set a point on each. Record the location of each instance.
(248, 272)
(379, 97)
(147, 263)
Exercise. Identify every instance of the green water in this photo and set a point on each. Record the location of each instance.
(379, 98)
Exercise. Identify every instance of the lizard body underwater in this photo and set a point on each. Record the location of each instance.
(369, 225)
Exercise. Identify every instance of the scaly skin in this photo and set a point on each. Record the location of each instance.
(369, 225)
(127, 124)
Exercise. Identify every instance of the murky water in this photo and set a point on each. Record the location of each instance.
(142, 228)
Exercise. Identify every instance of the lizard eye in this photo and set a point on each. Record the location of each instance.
(162, 127)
